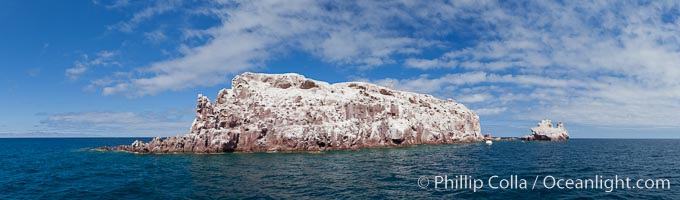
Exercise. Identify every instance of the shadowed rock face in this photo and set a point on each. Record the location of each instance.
(546, 132)
(288, 112)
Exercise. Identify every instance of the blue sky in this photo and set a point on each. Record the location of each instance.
(133, 68)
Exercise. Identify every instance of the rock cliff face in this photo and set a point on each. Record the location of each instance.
(545, 131)
(288, 112)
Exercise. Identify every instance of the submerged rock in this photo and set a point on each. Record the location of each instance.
(288, 112)
(546, 132)
(101, 149)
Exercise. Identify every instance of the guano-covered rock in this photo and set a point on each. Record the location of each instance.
(546, 132)
(288, 112)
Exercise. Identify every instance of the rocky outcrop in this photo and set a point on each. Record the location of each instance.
(288, 112)
(546, 132)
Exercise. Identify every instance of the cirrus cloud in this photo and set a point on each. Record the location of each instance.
(165, 123)
(596, 63)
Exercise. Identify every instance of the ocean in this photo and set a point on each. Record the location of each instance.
(67, 168)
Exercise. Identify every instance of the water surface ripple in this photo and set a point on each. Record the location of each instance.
(63, 168)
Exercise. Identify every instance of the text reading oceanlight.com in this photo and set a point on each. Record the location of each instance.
(514, 182)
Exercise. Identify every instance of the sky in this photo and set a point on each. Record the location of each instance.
(118, 68)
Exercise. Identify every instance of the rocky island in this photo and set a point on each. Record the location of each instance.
(288, 112)
(545, 131)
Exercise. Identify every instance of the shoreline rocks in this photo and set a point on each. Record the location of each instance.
(288, 112)
(545, 131)
(491, 138)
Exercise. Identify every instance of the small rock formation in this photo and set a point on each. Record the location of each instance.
(288, 112)
(487, 136)
(546, 132)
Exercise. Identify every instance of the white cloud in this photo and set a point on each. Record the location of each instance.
(117, 123)
(614, 63)
(74, 72)
(103, 58)
(474, 98)
(155, 36)
(118, 4)
(112, 4)
(490, 111)
(160, 7)
(251, 33)
(424, 84)
(593, 63)
(429, 64)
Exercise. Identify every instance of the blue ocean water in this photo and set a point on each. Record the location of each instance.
(65, 168)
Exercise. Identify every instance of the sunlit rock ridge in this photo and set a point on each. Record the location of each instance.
(288, 112)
